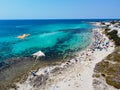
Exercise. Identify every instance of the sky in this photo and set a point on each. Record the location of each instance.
(59, 9)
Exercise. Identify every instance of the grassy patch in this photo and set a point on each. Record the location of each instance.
(110, 68)
(113, 35)
(113, 81)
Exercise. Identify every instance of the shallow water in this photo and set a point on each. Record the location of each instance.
(45, 35)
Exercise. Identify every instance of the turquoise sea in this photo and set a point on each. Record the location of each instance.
(55, 38)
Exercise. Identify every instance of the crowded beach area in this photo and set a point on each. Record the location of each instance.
(74, 74)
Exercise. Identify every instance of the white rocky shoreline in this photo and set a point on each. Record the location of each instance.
(75, 74)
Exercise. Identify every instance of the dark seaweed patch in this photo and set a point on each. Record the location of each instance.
(5, 50)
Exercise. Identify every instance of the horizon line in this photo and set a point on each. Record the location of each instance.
(65, 19)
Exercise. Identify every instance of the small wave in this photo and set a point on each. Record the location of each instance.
(48, 34)
(22, 26)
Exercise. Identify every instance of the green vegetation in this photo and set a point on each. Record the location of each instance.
(113, 81)
(113, 22)
(110, 68)
(113, 35)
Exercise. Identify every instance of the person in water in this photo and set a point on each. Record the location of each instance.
(23, 36)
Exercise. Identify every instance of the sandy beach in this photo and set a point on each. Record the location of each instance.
(59, 45)
(75, 74)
